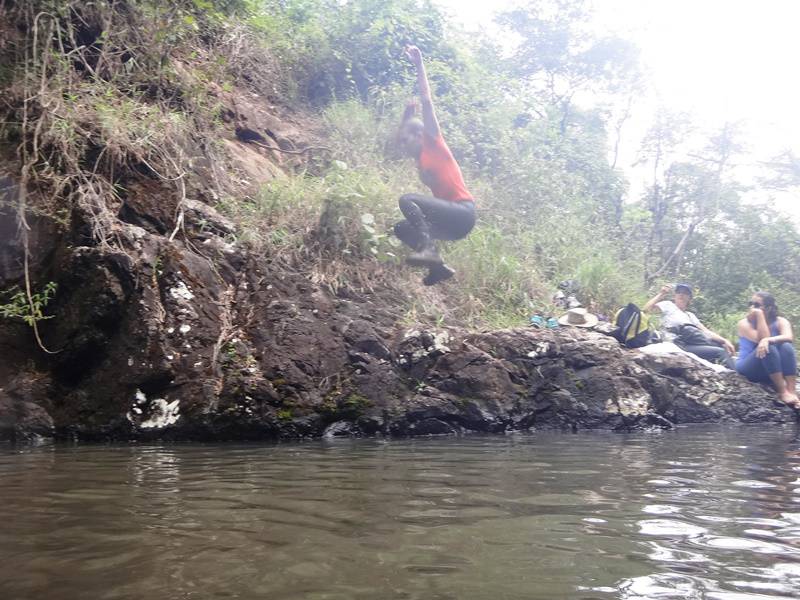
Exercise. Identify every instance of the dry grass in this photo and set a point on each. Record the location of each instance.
(100, 92)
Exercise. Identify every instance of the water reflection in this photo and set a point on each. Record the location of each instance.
(689, 514)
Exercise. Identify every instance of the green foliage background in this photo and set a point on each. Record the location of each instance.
(552, 206)
(532, 115)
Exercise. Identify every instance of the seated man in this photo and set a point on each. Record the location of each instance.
(685, 329)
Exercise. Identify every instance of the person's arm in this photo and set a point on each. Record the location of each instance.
(785, 333)
(428, 114)
(662, 293)
(758, 333)
(761, 327)
(718, 338)
(745, 330)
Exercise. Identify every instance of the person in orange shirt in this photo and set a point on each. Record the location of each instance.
(449, 214)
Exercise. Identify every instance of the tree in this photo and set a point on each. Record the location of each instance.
(785, 171)
(658, 145)
(560, 57)
(689, 194)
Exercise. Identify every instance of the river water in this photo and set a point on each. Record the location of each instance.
(706, 513)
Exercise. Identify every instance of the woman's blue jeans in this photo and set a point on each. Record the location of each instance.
(781, 358)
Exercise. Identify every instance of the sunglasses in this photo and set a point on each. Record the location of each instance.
(755, 304)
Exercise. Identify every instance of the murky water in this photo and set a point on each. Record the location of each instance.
(697, 513)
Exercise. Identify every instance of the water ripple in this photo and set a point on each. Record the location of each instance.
(686, 514)
(670, 528)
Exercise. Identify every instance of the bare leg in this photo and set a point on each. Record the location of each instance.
(791, 386)
(780, 385)
(755, 369)
(789, 368)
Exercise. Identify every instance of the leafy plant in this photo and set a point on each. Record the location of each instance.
(30, 311)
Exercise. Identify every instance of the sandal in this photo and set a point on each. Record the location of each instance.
(538, 321)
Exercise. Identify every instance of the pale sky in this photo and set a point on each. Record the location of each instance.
(719, 60)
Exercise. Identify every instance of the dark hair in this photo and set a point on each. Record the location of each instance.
(399, 145)
(769, 305)
(409, 116)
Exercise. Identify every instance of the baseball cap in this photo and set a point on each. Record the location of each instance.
(684, 288)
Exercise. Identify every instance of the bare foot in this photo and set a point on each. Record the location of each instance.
(790, 399)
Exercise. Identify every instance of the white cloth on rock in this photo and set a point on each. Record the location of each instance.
(666, 348)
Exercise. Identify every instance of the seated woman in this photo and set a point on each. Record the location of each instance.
(766, 353)
(685, 329)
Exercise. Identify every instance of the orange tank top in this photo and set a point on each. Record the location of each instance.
(440, 171)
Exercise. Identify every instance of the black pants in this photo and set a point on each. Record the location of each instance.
(428, 218)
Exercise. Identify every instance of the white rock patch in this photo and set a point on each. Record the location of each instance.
(163, 414)
(440, 341)
(539, 349)
(181, 292)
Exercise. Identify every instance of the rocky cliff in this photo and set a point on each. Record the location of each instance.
(196, 337)
(165, 324)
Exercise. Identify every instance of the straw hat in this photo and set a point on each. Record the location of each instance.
(579, 317)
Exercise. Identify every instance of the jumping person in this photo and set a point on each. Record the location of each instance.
(450, 213)
(766, 353)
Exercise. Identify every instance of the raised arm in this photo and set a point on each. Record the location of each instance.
(662, 293)
(428, 114)
(761, 327)
(754, 327)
